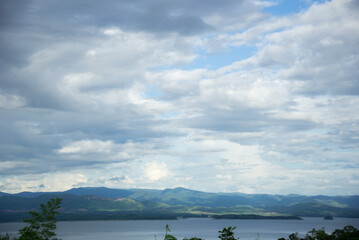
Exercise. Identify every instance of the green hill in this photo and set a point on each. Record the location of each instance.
(104, 203)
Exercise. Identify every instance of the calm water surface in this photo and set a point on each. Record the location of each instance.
(199, 227)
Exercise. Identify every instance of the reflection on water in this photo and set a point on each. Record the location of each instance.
(199, 227)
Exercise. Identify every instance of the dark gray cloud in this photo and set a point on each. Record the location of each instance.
(117, 179)
(184, 17)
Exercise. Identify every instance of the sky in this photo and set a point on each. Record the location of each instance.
(246, 96)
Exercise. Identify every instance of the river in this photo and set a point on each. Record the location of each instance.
(198, 227)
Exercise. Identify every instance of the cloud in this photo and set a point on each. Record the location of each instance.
(155, 171)
(321, 54)
(11, 101)
(87, 146)
(185, 17)
(58, 181)
(157, 94)
(117, 179)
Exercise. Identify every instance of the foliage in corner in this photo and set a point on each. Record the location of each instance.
(227, 234)
(5, 237)
(169, 236)
(347, 233)
(43, 223)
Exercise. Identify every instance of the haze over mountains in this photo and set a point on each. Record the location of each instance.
(104, 203)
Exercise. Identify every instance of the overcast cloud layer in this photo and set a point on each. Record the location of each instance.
(228, 96)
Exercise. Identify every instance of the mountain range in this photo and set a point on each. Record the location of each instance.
(104, 203)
